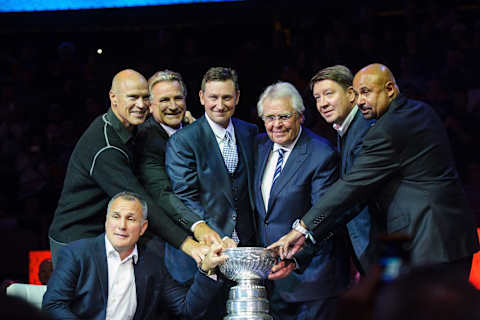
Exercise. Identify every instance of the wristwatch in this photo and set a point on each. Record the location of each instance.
(298, 227)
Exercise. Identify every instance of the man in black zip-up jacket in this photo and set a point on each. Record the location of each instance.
(102, 165)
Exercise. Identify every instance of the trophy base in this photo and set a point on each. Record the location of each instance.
(252, 316)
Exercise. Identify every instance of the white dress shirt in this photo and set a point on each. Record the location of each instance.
(170, 130)
(341, 129)
(122, 293)
(269, 171)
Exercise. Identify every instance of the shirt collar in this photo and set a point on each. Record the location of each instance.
(170, 130)
(110, 250)
(220, 131)
(290, 146)
(341, 129)
(119, 128)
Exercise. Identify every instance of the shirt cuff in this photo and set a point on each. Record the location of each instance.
(212, 276)
(195, 224)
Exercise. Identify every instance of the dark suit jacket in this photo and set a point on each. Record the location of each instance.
(199, 177)
(310, 169)
(151, 144)
(360, 229)
(406, 166)
(78, 287)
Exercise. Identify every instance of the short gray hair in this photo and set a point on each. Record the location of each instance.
(281, 90)
(130, 196)
(166, 75)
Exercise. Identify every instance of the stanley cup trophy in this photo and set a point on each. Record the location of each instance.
(248, 266)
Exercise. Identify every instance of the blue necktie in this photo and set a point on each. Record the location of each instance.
(278, 168)
(230, 155)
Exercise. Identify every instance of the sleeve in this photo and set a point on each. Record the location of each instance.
(190, 302)
(375, 164)
(61, 287)
(182, 170)
(113, 174)
(153, 175)
(325, 174)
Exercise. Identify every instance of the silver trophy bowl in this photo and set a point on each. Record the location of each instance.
(248, 266)
(247, 263)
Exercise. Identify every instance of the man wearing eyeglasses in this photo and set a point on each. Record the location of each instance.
(294, 167)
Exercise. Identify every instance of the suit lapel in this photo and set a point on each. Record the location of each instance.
(263, 154)
(100, 258)
(140, 283)
(294, 162)
(215, 158)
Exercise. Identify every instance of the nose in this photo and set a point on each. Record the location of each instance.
(277, 122)
(321, 102)
(360, 100)
(122, 224)
(143, 103)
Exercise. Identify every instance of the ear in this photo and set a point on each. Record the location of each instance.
(200, 94)
(144, 227)
(113, 98)
(351, 94)
(238, 97)
(390, 88)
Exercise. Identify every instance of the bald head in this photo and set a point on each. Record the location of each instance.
(124, 77)
(129, 97)
(376, 87)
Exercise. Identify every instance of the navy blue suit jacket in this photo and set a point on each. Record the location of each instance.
(200, 178)
(78, 287)
(310, 169)
(360, 228)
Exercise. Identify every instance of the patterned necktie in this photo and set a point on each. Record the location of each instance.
(278, 168)
(230, 155)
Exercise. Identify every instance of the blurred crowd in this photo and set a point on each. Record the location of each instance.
(53, 85)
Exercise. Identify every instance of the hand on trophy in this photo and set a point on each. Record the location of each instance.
(282, 269)
(289, 244)
(213, 258)
(205, 234)
(228, 243)
(196, 250)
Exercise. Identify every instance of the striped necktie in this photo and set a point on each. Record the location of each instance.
(278, 168)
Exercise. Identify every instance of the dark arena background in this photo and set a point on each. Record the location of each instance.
(56, 66)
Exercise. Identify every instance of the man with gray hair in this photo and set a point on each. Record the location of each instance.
(168, 112)
(294, 168)
(113, 276)
(335, 99)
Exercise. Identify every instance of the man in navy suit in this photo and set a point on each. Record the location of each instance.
(406, 167)
(294, 168)
(335, 98)
(210, 165)
(110, 277)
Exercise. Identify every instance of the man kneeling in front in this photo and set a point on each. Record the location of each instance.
(113, 277)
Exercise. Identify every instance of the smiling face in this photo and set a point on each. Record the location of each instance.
(168, 103)
(281, 132)
(129, 98)
(219, 100)
(333, 101)
(125, 225)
